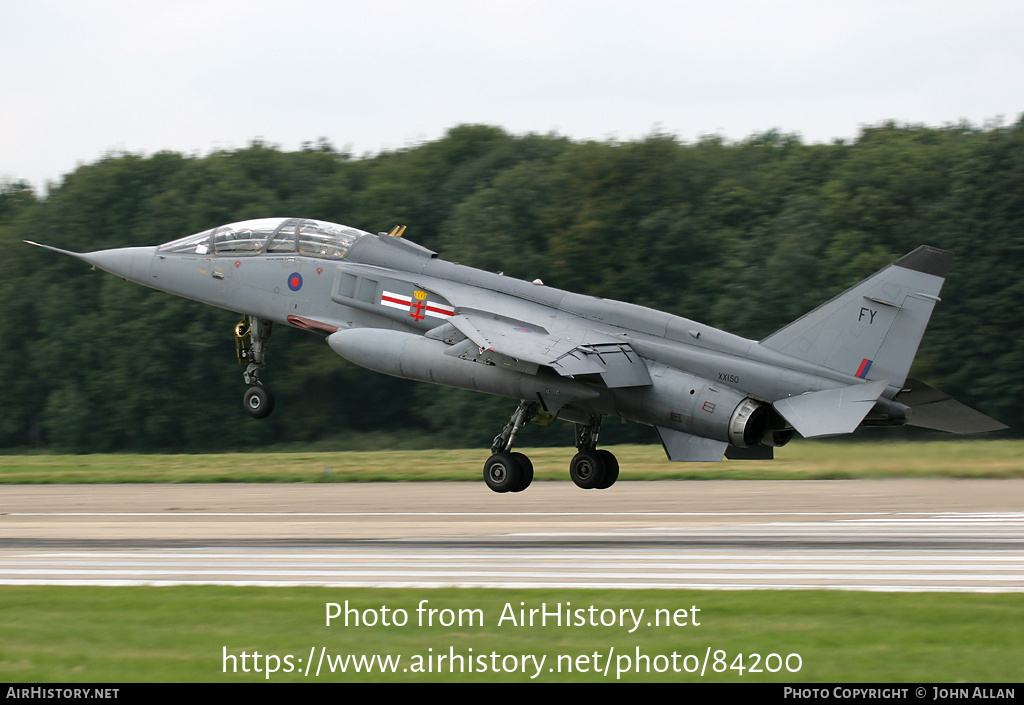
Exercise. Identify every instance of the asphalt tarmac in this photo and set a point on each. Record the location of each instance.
(935, 535)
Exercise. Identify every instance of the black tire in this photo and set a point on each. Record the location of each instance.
(587, 469)
(611, 469)
(258, 402)
(525, 469)
(502, 473)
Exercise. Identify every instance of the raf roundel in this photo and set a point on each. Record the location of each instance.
(294, 281)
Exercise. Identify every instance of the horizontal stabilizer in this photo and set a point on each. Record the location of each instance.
(933, 408)
(683, 447)
(830, 412)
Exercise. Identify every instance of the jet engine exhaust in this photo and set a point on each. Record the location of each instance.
(749, 424)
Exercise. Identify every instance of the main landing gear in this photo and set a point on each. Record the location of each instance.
(506, 471)
(251, 336)
(591, 467)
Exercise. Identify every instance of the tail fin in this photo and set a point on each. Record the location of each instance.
(872, 330)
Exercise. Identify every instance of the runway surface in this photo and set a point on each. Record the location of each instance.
(911, 535)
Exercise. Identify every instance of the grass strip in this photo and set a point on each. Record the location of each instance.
(803, 460)
(186, 634)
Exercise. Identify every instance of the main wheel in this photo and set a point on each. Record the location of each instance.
(526, 470)
(587, 469)
(258, 401)
(611, 469)
(502, 473)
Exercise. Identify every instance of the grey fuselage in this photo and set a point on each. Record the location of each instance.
(390, 305)
(698, 375)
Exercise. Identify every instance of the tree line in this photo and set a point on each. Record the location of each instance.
(742, 235)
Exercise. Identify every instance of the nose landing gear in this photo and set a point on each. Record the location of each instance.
(251, 336)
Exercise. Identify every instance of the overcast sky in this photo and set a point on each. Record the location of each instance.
(81, 78)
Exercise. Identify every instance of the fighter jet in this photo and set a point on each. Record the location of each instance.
(388, 304)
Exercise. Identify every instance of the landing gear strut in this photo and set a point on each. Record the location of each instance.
(506, 471)
(251, 336)
(592, 468)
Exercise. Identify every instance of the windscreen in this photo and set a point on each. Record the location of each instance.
(314, 238)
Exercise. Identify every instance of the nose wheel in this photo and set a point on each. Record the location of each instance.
(258, 401)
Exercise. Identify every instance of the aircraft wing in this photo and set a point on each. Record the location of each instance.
(516, 333)
(518, 339)
(569, 348)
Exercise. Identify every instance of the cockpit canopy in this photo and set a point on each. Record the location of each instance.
(315, 238)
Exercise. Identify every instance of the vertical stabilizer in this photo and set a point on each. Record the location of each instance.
(873, 329)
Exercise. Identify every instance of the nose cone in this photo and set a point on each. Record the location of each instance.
(130, 263)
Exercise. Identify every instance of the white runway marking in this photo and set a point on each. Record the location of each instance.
(883, 551)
